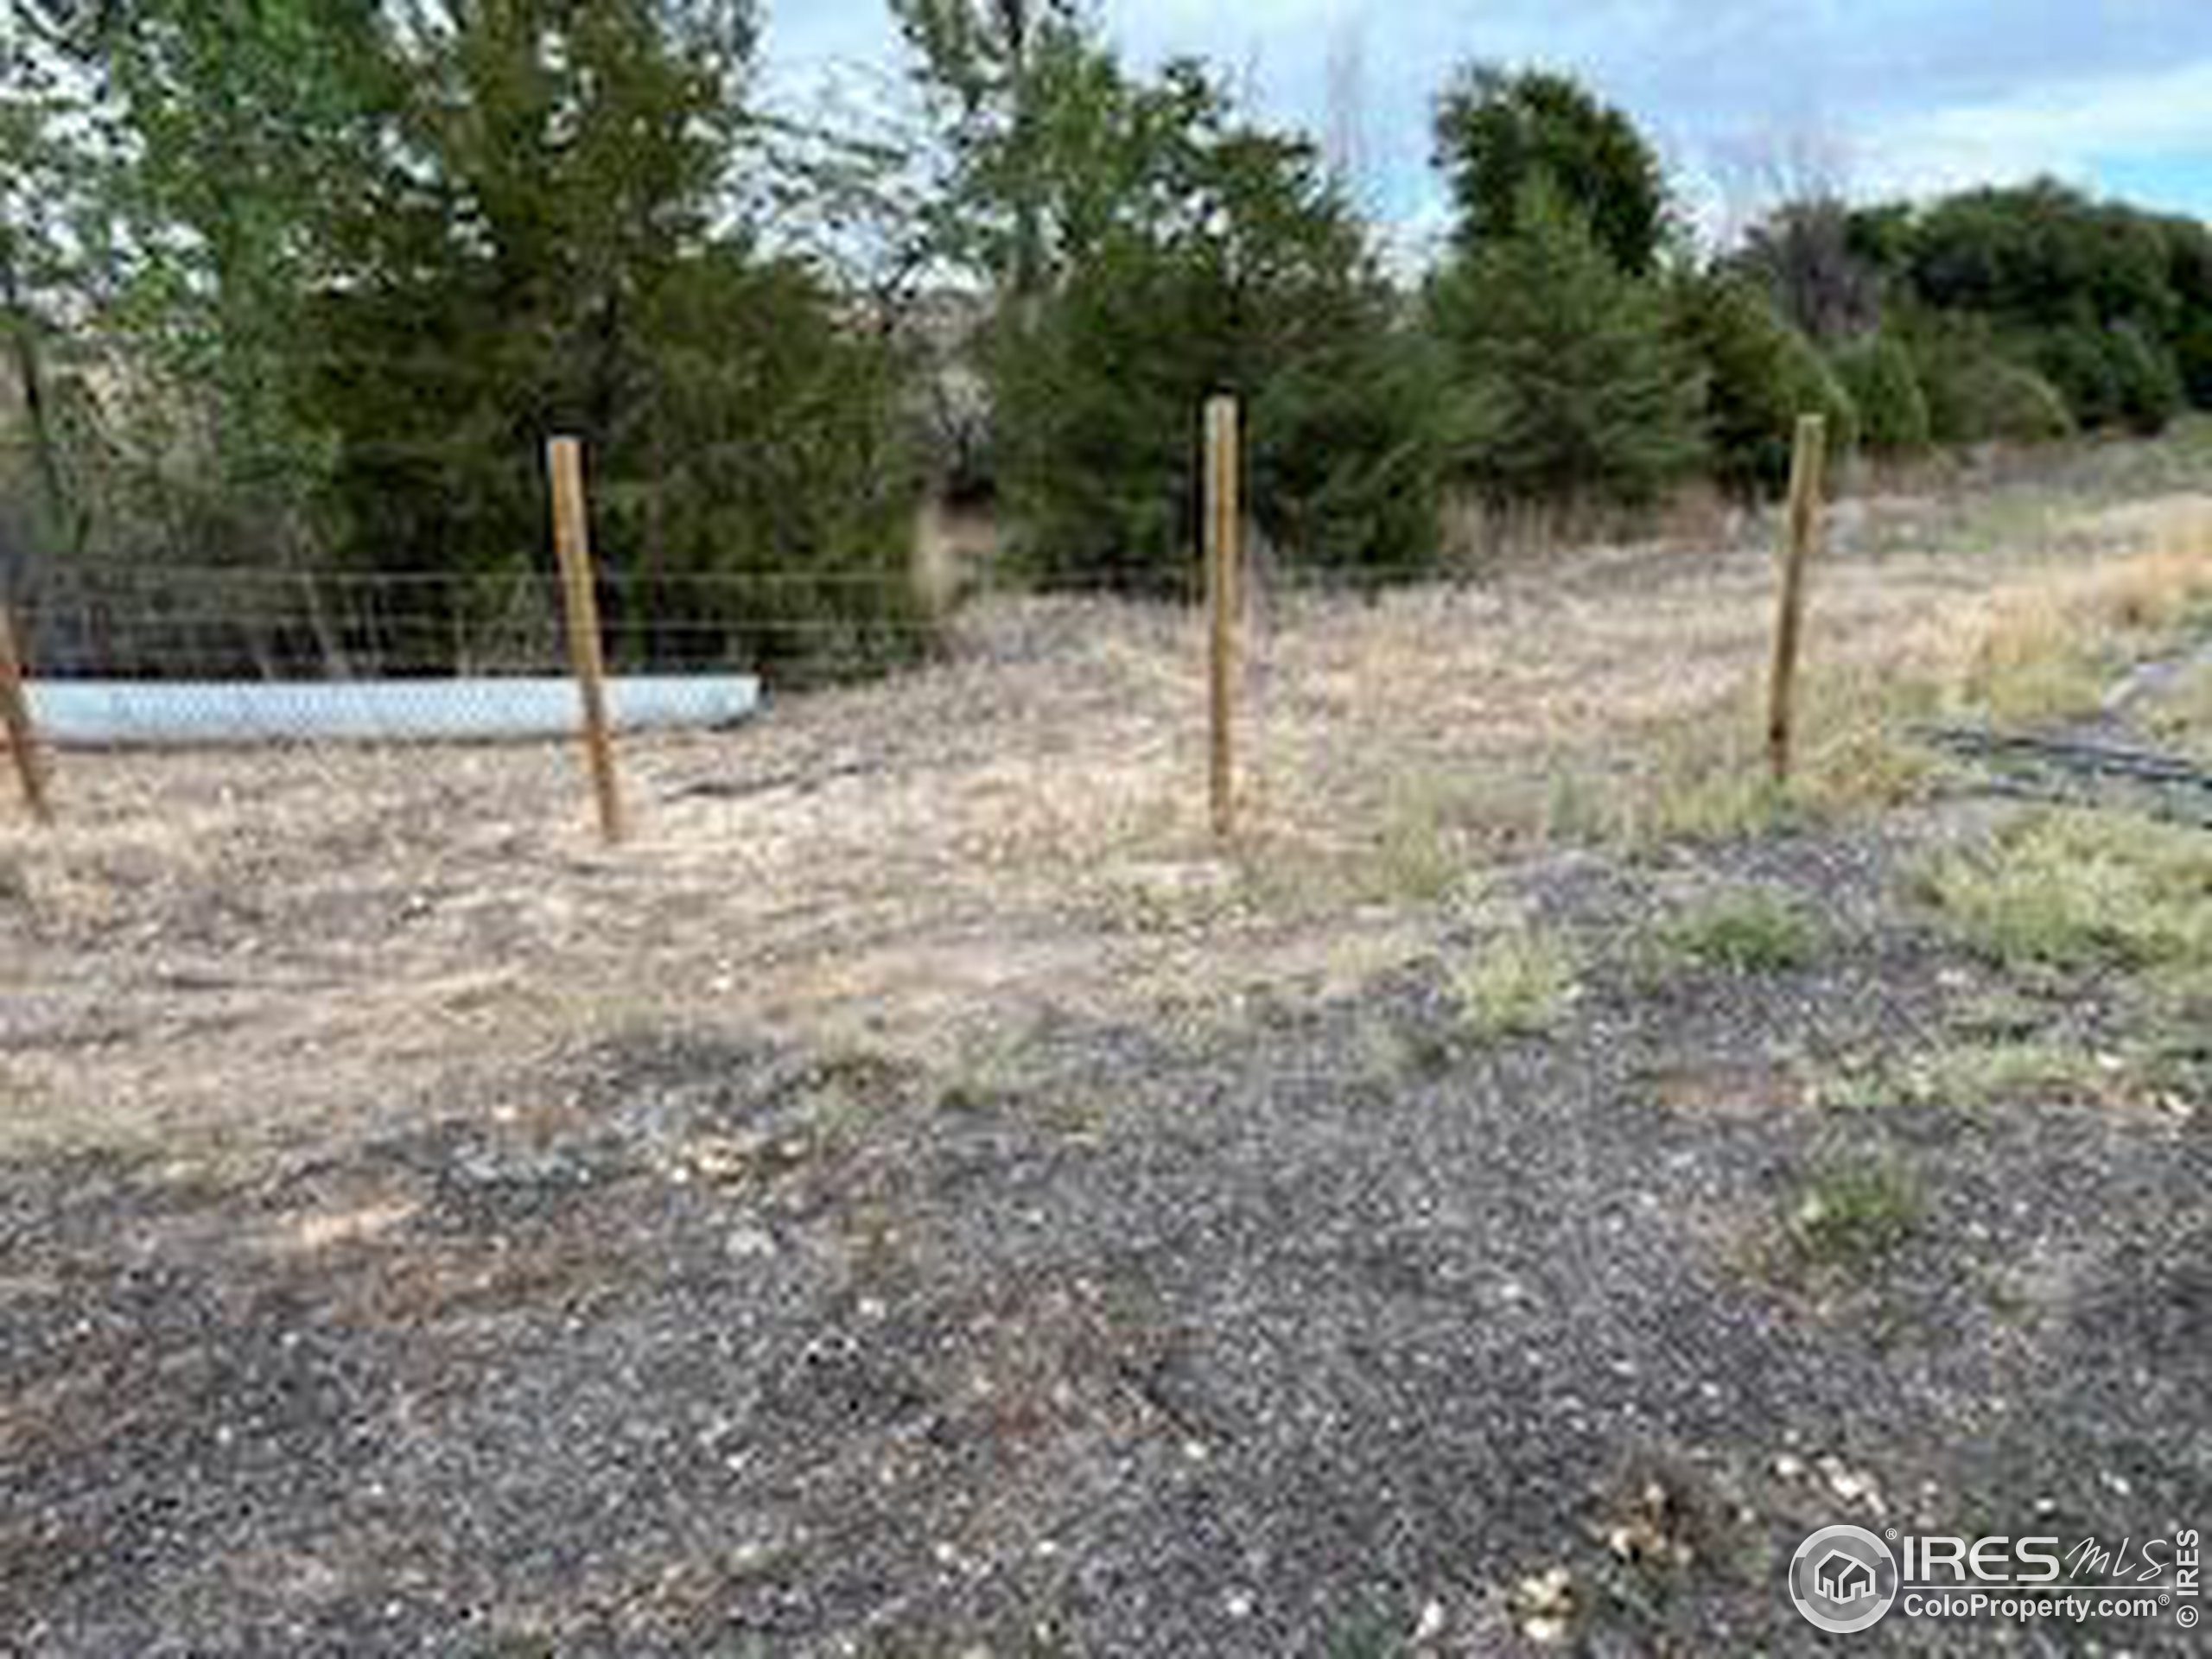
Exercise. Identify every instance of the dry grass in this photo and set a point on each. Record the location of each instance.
(2050, 648)
(234, 940)
(2082, 890)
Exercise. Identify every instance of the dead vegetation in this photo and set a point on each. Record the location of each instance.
(238, 942)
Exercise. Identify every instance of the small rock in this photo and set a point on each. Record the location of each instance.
(1430, 1625)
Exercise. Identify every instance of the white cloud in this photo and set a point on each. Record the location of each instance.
(2065, 128)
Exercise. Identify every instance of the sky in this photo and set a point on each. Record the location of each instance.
(1879, 96)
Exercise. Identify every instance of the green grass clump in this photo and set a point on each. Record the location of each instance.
(2076, 890)
(1973, 1075)
(1747, 930)
(1851, 1214)
(1516, 984)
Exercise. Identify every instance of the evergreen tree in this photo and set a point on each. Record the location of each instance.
(1202, 255)
(1568, 386)
(1500, 132)
(1762, 375)
(1878, 373)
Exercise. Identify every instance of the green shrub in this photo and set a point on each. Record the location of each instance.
(1852, 1212)
(2084, 890)
(2192, 350)
(1879, 373)
(2149, 380)
(1978, 395)
(1215, 257)
(1750, 931)
(1568, 386)
(1515, 985)
(2080, 362)
(1762, 375)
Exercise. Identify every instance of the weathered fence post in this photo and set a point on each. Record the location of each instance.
(1808, 469)
(1223, 534)
(572, 546)
(16, 717)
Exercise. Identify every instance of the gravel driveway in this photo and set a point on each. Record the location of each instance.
(1328, 1332)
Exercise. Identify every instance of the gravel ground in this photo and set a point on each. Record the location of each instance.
(1327, 1332)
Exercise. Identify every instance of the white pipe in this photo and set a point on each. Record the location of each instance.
(98, 713)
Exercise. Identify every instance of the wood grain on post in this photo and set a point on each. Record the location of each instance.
(572, 546)
(1224, 525)
(1808, 471)
(16, 717)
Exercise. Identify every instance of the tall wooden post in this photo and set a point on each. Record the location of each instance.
(572, 545)
(1807, 470)
(16, 717)
(1224, 537)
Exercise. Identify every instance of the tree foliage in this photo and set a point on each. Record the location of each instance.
(2110, 305)
(1977, 392)
(1498, 133)
(1203, 254)
(1879, 373)
(1568, 385)
(368, 263)
(1762, 375)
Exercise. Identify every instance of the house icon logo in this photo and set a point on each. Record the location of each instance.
(1843, 1579)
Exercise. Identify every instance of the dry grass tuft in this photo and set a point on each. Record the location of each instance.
(2050, 648)
(1518, 983)
(2083, 890)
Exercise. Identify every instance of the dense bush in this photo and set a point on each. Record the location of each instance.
(1879, 373)
(1762, 376)
(2043, 257)
(1212, 257)
(1568, 386)
(1976, 394)
(1499, 133)
(365, 263)
(2111, 377)
(2149, 380)
(2079, 360)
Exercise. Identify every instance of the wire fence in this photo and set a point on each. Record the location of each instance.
(119, 649)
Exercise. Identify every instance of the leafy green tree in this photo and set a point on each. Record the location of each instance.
(52, 246)
(997, 70)
(545, 256)
(1878, 373)
(2189, 273)
(2149, 381)
(1762, 375)
(248, 124)
(2079, 360)
(1205, 255)
(1976, 392)
(2043, 257)
(1498, 131)
(1568, 386)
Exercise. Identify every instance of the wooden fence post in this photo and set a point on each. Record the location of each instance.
(1807, 470)
(1223, 534)
(572, 546)
(16, 717)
